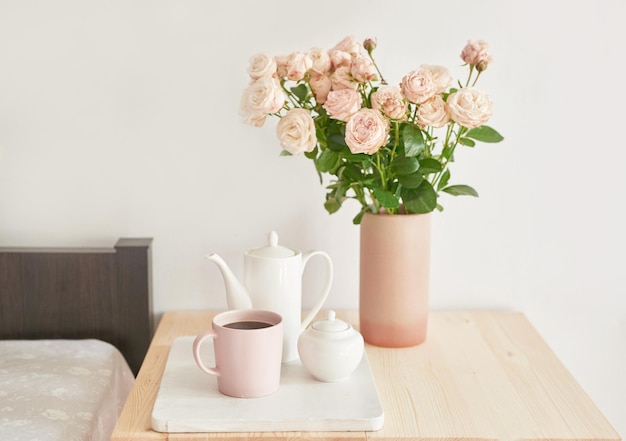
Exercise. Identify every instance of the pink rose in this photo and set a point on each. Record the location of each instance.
(342, 53)
(475, 52)
(254, 119)
(363, 69)
(320, 85)
(418, 85)
(367, 131)
(390, 101)
(342, 79)
(281, 66)
(260, 99)
(470, 107)
(441, 77)
(339, 59)
(296, 131)
(349, 44)
(261, 65)
(298, 64)
(340, 104)
(320, 61)
(433, 112)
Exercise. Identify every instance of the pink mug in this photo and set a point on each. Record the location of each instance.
(248, 346)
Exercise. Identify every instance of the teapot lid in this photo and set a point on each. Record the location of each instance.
(331, 324)
(272, 249)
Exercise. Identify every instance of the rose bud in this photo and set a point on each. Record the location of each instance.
(369, 45)
(481, 66)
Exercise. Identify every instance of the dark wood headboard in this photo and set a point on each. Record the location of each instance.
(77, 293)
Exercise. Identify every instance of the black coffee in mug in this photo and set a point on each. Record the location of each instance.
(248, 324)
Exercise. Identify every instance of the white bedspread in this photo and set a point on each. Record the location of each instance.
(69, 390)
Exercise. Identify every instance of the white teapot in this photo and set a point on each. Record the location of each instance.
(272, 281)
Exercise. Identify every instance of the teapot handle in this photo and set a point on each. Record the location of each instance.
(325, 290)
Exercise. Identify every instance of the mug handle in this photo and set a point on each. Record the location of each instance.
(196, 352)
(324, 294)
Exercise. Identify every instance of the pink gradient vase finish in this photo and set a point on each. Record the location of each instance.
(394, 279)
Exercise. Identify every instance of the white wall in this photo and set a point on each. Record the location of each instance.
(120, 118)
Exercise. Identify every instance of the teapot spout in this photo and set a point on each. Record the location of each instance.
(236, 294)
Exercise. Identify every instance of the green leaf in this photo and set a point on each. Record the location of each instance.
(332, 205)
(430, 165)
(336, 135)
(411, 181)
(334, 126)
(386, 199)
(339, 189)
(312, 154)
(447, 152)
(484, 134)
(328, 161)
(352, 173)
(355, 157)
(336, 142)
(413, 140)
(285, 153)
(443, 181)
(358, 217)
(370, 181)
(301, 91)
(420, 200)
(404, 165)
(461, 190)
(467, 142)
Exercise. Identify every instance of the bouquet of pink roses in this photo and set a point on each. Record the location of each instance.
(388, 146)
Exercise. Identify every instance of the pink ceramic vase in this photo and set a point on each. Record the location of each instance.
(394, 279)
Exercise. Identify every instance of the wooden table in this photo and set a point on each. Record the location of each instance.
(479, 376)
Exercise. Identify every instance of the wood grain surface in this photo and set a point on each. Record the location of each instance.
(479, 376)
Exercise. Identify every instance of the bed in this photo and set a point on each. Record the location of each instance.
(75, 325)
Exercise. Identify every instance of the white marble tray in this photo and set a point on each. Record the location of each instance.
(188, 400)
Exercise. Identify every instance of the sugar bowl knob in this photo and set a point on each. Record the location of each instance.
(331, 349)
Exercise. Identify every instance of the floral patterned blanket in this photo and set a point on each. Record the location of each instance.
(70, 390)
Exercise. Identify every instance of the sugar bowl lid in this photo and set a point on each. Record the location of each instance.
(331, 324)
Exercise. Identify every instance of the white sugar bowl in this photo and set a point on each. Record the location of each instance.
(331, 349)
